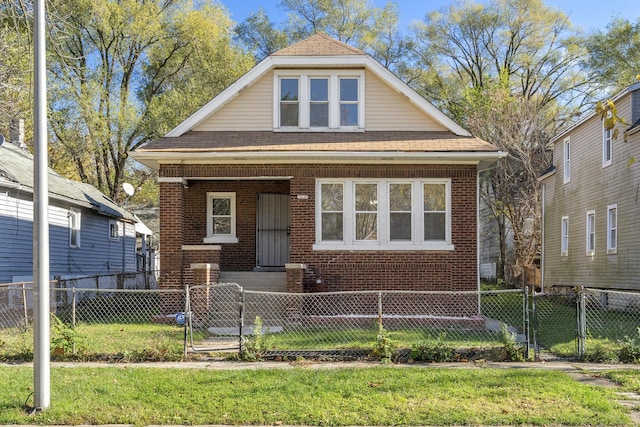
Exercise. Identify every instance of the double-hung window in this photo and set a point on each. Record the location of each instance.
(612, 229)
(115, 229)
(314, 100)
(567, 159)
(75, 221)
(564, 236)
(607, 146)
(383, 214)
(221, 218)
(591, 233)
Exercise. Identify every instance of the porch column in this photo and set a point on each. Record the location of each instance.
(172, 234)
(203, 273)
(295, 277)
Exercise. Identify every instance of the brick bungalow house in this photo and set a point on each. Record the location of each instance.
(319, 170)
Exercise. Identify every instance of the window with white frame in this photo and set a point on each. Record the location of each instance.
(221, 218)
(591, 233)
(383, 214)
(75, 222)
(313, 100)
(612, 229)
(564, 238)
(567, 159)
(607, 146)
(114, 230)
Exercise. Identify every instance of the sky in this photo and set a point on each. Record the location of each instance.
(590, 15)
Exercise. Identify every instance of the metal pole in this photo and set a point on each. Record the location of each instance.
(582, 322)
(24, 305)
(41, 321)
(73, 306)
(526, 323)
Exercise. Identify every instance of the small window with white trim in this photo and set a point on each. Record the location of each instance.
(564, 237)
(612, 229)
(75, 223)
(607, 146)
(567, 160)
(114, 230)
(591, 233)
(221, 218)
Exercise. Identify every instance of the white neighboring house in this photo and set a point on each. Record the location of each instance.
(89, 234)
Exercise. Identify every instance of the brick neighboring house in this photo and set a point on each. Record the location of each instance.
(321, 167)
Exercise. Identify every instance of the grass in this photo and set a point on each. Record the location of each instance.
(112, 342)
(629, 379)
(346, 396)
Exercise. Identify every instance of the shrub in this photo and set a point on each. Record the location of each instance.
(255, 346)
(630, 349)
(433, 350)
(511, 350)
(385, 347)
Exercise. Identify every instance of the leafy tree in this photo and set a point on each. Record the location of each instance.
(356, 22)
(613, 59)
(124, 72)
(15, 66)
(505, 69)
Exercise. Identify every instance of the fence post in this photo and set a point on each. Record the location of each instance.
(380, 326)
(73, 306)
(241, 322)
(187, 318)
(24, 305)
(582, 322)
(526, 322)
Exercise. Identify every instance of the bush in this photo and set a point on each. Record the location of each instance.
(511, 350)
(385, 347)
(630, 349)
(433, 350)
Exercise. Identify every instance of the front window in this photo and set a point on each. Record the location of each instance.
(383, 215)
(564, 245)
(74, 228)
(591, 233)
(319, 103)
(221, 218)
(349, 102)
(314, 101)
(612, 229)
(332, 213)
(289, 102)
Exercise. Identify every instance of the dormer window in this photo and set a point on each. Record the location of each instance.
(319, 101)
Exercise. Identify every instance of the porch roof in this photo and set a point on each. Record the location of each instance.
(252, 146)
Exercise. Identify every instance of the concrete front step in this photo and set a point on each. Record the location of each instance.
(271, 281)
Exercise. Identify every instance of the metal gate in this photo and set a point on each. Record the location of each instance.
(214, 318)
(555, 323)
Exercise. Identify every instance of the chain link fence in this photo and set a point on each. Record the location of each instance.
(351, 323)
(116, 323)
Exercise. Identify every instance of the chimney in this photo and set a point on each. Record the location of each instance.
(16, 132)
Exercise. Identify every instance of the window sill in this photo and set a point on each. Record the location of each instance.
(311, 130)
(612, 251)
(591, 253)
(220, 239)
(337, 246)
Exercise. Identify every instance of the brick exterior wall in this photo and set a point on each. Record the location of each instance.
(183, 221)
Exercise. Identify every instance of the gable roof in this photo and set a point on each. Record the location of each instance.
(319, 44)
(16, 170)
(629, 89)
(323, 51)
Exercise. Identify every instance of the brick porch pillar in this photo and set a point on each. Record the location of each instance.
(203, 273)
(295, 277)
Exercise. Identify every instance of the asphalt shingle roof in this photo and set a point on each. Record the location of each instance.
(319, 44)
(16, 166)
(381, 141)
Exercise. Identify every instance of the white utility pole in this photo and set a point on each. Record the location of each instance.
(41, 321)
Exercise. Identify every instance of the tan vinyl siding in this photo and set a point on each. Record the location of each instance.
(594, 187)
(386, 109)
(250, 110)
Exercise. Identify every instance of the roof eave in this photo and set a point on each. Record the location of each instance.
(154, 159)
